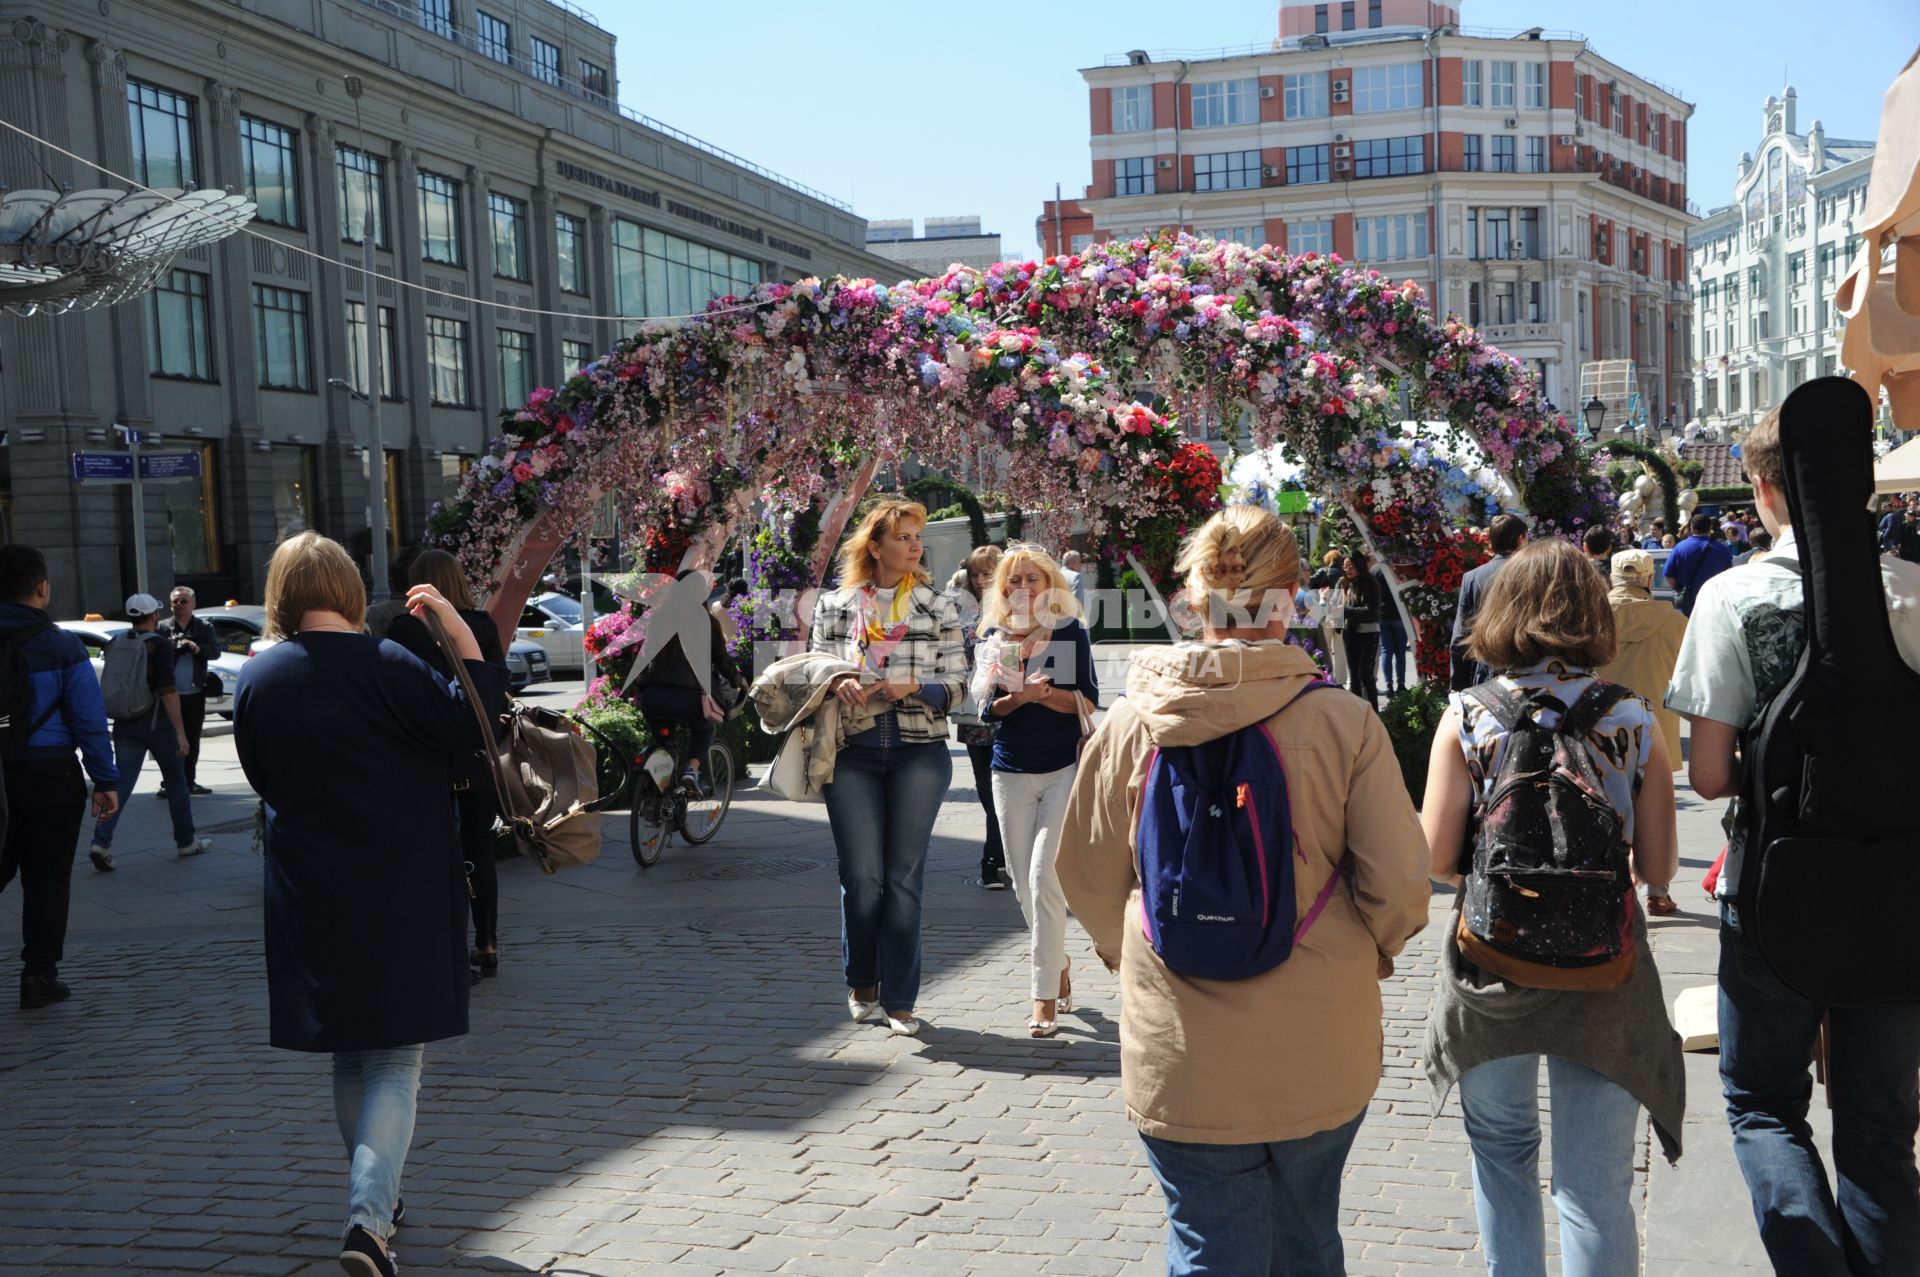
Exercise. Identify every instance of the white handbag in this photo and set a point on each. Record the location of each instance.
(787, 777)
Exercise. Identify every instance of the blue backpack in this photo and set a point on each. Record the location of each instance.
(1215, 847)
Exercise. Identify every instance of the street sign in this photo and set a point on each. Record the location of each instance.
(103, 467)
(137, 436)
(169, 465)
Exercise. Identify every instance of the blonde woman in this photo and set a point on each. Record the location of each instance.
(1034, 680)
(905, 642)
(1251, 1170)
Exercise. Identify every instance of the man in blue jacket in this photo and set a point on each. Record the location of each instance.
(1505, 535)
(46, 790)
(1695, 561)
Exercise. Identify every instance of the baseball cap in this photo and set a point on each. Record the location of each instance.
(142, 605)
(1635, 567)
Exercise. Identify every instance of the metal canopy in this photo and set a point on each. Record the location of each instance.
(74, 251)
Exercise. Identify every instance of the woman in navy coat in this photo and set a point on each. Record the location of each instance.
(353, 743)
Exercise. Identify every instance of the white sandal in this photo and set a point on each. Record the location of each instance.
(860, 1011)
(905, 1026)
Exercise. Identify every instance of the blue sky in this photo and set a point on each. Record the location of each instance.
(910, 109)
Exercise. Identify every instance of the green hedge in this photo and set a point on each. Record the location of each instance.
(1735, 494)
(1411, 718)
(1662, 474)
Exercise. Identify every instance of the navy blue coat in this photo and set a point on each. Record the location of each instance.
(352, 742)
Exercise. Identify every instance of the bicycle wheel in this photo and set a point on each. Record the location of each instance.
(649, 822)
(701, 820)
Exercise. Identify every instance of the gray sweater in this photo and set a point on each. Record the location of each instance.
(1624, 1036)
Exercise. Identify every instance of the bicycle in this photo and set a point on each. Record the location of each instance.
(665, 804)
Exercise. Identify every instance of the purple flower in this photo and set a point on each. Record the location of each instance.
(504, 487)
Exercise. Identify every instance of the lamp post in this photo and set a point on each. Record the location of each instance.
(1595, 415)
(377, 452)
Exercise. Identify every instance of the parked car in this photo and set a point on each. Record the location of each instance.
(236, 625)
(554, 622)
(527, 662)
(223, 671)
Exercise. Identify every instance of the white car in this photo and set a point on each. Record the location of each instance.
(223, 671)
(527, 662)
(554, 622)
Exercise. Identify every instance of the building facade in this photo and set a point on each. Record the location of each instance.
(948, 241)
(1531, 186)
(1763, 269)
(521, 219)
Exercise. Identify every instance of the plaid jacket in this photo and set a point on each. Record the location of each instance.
(933, 651)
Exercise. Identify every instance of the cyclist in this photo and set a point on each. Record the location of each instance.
(673, 694)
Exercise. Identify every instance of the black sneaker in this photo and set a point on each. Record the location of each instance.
(362, 1255)
(992, 877)
(399, 1211)
(695, 783)
(160, 792)
(38, 991)
(198, 790)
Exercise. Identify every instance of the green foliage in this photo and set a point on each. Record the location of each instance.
(954, 511)
(622, 724)
(1691, 471)
(1738, 494)
(961, 501)
(1410, 719)
(1655, 462)
(1619, 478)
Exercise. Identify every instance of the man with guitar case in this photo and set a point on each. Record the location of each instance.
(1792, 670)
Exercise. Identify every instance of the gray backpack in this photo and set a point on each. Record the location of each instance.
(123, 676)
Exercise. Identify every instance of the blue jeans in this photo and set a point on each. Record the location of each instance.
(881, 803)
(133, 740)
(373, 1100)
(1594, 1123)
(1393, 656)
(1766, 1050)
(1254, 1210)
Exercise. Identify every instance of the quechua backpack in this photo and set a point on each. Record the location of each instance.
(1829, 885)
(1549, 899)
(1215, 852)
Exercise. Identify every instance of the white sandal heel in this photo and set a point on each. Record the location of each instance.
(905, 1026)
(860, 1011)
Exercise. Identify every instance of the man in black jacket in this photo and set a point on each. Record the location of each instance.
(194, 644)
(1507, 533)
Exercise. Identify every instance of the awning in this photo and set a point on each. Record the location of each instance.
(1899, 470)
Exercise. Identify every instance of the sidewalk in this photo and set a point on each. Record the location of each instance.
(663, 1079)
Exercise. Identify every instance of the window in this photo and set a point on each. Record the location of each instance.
(1619, 112)
(1709, 397)
(1251, 236)
(546, 60)
(193, 519)
(293, 493)
(179, 340)
(1346, 15)
(575, 355)
(1470, 153)
(1310, 237)
(280, 338)
(1536, 309)
(357, 350)
(1373, 13)
(272, 171)
(1306, 164)
(454, 468)
(659, 274)
(1503, 160)
(1759, 388)
(1133, 108)
(1585, 329)
(1495, 231)
(1393, 238)
(447, 362)
(1536, 84)
(362, 181)
(1660, 133)
(439, 218)
(570, 240)
(1133, 177)
(494, 37)
(508, 217)
(1226, 171)
(1473, 305)
(1797, 269)
(1733, 290)
(1226, 102)
(437, 17)
(1579, 96)
(1306, 96)
(1733, 393)
(1080, 243)
(1500, 84)
(1503, 303)
(1796, 372)
(1472, 74)
(161, 124)
(1536, 155)
(1530, 232)
(593, 77)
(1388, 156)
(1320, 19)
(515, 351)
(1387, 88)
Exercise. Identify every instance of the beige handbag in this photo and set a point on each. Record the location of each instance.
(787, 777)
(543, 772)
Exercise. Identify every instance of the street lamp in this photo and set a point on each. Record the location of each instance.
(1595, 415)
(377, 452)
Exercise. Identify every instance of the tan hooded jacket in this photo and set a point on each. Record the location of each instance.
(1295, 1050)
(1649, 631)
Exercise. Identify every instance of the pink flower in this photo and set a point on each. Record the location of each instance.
(522, 473)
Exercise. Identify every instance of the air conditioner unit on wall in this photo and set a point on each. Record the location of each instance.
(1339, 95)
(1339, 137)
(1266, 90)
(1163, 164)
(1566, 139)
(1510, 123)
(1341, 151)
(1269, 170)
(1340, 86)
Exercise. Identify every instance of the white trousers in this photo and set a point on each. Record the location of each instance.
(1337, 654)
(1031, 808)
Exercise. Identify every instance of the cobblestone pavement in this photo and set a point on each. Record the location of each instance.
(661, 1079)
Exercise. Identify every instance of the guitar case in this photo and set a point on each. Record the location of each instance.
(1830, 889)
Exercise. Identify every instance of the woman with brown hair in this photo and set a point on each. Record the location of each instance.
(1249, 1092)
(474, 798)
(909, 663)
(1543, 629)
(352, 745)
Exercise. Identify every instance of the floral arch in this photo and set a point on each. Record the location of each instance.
(1021, 378)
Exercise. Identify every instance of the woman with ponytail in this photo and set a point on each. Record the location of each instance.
(1251, 1166)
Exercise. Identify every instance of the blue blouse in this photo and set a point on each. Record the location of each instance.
(1034, 738)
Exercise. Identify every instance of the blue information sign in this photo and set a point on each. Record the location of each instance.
(107, 467)
(169, 465)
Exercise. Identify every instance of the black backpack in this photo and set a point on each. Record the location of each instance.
(1549, 899)
(16, 691)
(1829, 887)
